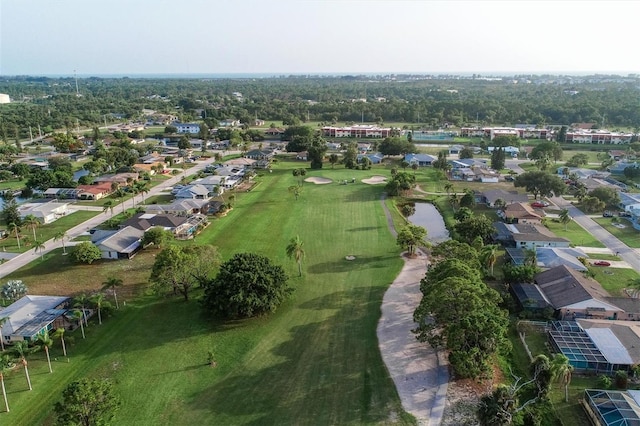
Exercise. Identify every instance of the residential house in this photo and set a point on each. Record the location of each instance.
(513, 151)
(212, 182)
(190, 128)
(121, 244)
(491, 196)
(303, 155)
(527, 236)
(618, 168)
(243, 162)
(549, 257)
(94, 192)
(194, 191)
(61, 193)
(374, 158)
(467, 163)
(45, 212)
(181, 207)
(229, 122)
(258, 154)
(572, 295)
(455, 149)
(521, 212)
(122, 179)
(180, 226)
(274, 131)
(421, 160)
(31, 316)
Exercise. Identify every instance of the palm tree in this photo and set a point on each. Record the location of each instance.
(98, 300)
(490, 256)
(60, 236)
(3, 321)
(60, 333)
(295, 250)
(77, 315)
(564, 218)
(81, 302)
(14, 227)
(561, 371)
(39, 247)
(108, 205)
(232, 198)
(31, 222)
(22, 349)
(448, 187)
(112, 283)
(531, 257)
(45, 342)
(5, 367)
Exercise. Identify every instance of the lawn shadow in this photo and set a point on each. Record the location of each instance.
(364, 228)
(344, 265)
(326, 372)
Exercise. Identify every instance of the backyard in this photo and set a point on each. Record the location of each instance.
(314, 361)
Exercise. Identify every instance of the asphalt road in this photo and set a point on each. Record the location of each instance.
(28, 256)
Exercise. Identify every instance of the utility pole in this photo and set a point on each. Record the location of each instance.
(75, 76)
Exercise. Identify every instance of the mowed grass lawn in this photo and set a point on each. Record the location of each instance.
(628, 235)
(574, 233)
(315, 361)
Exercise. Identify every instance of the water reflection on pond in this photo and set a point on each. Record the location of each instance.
(429, 217)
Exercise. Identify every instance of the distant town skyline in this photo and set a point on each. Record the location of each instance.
(274, 37)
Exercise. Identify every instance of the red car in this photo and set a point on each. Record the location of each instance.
(602, 263)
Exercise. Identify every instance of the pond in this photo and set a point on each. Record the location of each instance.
(429, 217)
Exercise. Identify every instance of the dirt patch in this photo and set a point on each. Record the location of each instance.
(318, 180)
(375, 180)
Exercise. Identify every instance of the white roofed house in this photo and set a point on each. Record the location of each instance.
(30, 316)
(212, 182)
(196, 191)
(121, 244)
(46, 212)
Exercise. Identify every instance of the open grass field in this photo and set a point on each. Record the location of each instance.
(628, 235)
(315, 361)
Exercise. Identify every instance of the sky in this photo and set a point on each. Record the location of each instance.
(132, 37)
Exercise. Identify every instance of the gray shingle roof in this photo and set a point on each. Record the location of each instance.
(563, 286)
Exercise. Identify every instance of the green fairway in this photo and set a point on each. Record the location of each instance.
(315, 361)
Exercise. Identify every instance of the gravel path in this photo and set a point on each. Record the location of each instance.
(419, 372)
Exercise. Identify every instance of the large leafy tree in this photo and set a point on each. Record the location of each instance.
(540, 183)
(87, 402)
(400, 183)
(410, 237)
(182, 268)
(466, 319)
(247, 285)
(10, 213)
(158, 236)
(473, 227)
(497, 158)
(86, 252)
(549, 149)
(317, 148)
(608, 196)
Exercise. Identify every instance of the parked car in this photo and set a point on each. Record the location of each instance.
(601, 263)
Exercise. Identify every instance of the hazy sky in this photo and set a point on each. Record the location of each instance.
(316, 36)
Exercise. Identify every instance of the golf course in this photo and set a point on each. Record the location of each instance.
(314, 361)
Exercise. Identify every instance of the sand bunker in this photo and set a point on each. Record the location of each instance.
(318, 180)
(350, 257)
(375, 180)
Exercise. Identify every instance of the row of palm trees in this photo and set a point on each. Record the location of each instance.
(21, 349)
(139, 187)
(32, 223)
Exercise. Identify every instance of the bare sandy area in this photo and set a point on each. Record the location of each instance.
(419, 372)
(318, 180)
(375, 180)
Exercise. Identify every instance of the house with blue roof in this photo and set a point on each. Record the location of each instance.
(375, 158)
(421, 160)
